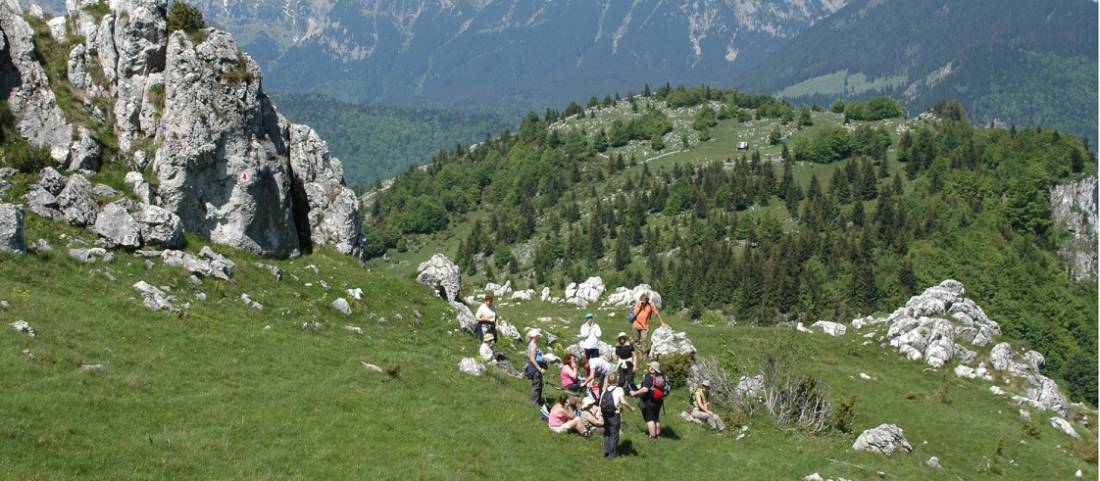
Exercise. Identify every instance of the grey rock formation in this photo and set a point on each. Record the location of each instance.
(886, 439)
(207, 264)
(156, 299)
(333, 209)
(664, 341)
(934, 463)
(623, 297)
(160, 227)
(831, 328)
(442, 275)
(1062, 425)
(585, 293)
(116, 225)
(89, 256)
(11, 229)
(77, 202)
(1074, 206)
(84, 153)
(38, 117)
(464, 316)
(24, 327)
(222, 163)
(140, 32)
(50, 180)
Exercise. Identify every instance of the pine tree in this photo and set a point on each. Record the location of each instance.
(868, 180)
(857, 213)
(622, 253)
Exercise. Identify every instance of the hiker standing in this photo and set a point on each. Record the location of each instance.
(626, 357)
(536, 366)
(590, 337)
(653, 391)
(569, 378)
(642, 311)
(486, 317)
(611, 406)
(700, 407)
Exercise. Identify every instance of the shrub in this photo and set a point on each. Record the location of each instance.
(794, 399)
(1030, 428)
(677, 368)
(26, 158)
(843, 415)
(185, 17)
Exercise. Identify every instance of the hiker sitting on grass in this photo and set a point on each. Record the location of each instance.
(488, 354)
(590, 414)
(569, 379)
(562, 420)
(700, 407)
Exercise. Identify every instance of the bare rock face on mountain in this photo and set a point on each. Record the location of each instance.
(24, 85)
(140, 29)
(332, 208)
(222, 164)
(1074, 206)
(116, 225)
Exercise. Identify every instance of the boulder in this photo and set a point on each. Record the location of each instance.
(84, 153)
(623, 297)
(1062, 425)
(341, 304)
(831, 328)
(24, 327)
(11, 229)
(664, 341)
(886, 439)
(442, 275)
(606, 350)
(1045, 395)
(524, 295)
(508, 330)
(588, 292)
(464, 316)
(499, 291)
(971, 373)
(471, 366)
(156, 299)
(934, 463)
(545, 294)
(115, 224)
(356, 293)
(250, 302)
(208, 263)
(77, 202)
(160, 227)
(38, 117)
(104, 190)
(91, 255)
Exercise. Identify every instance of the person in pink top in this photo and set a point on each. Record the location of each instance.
(569, 381)
(562, 420)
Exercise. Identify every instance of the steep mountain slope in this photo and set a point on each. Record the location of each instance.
(505, 54)
(1016, 62)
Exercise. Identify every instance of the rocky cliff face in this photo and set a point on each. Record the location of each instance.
(1074, 207)
(193, 108)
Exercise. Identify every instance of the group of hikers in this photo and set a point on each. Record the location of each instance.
(595, 389)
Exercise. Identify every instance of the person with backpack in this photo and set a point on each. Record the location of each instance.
(536, 367)
(562, 420)
(654, 390)
(700, 407)
(611, 407)
(486, 317)
(569, 378)
(596, 371)
(641, 313)
(626, 357)
(590, 337)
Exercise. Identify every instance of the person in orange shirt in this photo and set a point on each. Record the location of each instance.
(642, 312)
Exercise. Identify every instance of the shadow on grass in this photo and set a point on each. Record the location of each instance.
(667, 432)
(626, 448)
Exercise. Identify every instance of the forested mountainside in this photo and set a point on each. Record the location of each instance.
(1012, 62)
(377, 143)
(829, 215)
(505, 54)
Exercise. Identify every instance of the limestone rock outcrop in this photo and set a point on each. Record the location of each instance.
(665, 341)
(1074, 206)
(886, 439)
(11, 229)
(585, 293)
(623, 297)
(38, 117)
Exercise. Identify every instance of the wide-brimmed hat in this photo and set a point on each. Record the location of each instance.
(587, 401)
(536, 332)
(704, 382)
(488, 337)
(656, 366)
(621, 335)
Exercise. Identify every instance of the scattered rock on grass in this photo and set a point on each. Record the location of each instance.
(831, 328)
(354, 329)
(24, 327)
(91, 255)
(371, 367)
(471, 366)
(356, 293)
(342, 305)
(934, 463)
(885, 439)
(93, 368)
(1062, 425)
(11, 229)
(247, 299)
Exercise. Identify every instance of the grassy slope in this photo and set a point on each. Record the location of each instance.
(214, 396)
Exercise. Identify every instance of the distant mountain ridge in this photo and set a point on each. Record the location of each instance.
(512, 55)
(1013, 62)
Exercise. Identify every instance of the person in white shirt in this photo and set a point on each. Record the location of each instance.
(590, 337)
(486, 317)
(491, 357)
(597, 369)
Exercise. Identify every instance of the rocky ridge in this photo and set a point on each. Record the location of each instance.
(192, 107)
(1074, 206)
